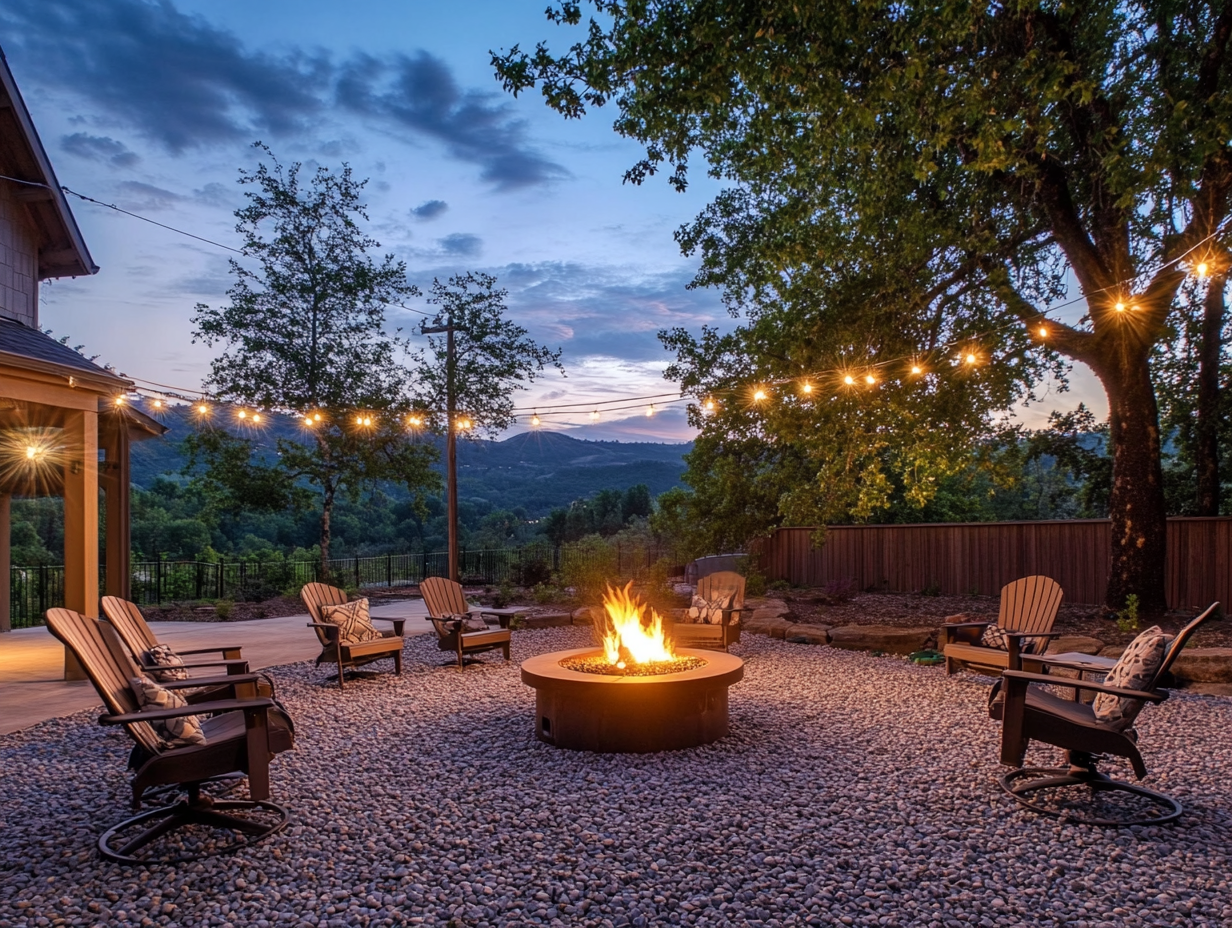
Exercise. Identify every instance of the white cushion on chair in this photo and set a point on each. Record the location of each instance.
(352, 619)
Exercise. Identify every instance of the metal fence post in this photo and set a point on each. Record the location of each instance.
(389, 570)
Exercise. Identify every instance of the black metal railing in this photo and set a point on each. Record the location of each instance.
(34, 590)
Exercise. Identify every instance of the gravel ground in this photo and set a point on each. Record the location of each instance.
(853, 790)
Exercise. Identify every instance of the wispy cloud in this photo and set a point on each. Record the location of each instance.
(461, 244)
(429, 210)
(185, 83)
(99, 148)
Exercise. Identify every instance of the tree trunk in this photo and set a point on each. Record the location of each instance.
(1136, 505)
(1206, 437)
(327, 508)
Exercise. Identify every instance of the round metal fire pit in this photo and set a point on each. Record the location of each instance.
(625, 714)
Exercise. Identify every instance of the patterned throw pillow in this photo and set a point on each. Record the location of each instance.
(175, 733)
(162, 656)
(1134, 671)
(473, 623)
(353, 619)
(997, 637)
(709, 611)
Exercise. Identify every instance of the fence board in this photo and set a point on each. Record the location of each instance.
(984, 556)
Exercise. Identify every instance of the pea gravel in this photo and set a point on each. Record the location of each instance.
(853, 790)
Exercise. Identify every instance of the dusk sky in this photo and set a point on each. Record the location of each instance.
(154, 106)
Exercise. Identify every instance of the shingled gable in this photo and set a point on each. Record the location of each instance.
(62, 251)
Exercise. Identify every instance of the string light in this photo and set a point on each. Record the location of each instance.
(308, 421)
(158, 404)
(916, 369)
(758, 395)
(119, 400)
(709, 405)
(1201, 269)
(1120, 307)
(849, 380)
(651, 411)
(807, 388)
(970, 358)
(594, 416)
(203, 409)
(316, 417)
(414, 421)
(256, 417)
(870, 379)
(32, 452)
(1043, 331)
(243, 414)
(534, 420)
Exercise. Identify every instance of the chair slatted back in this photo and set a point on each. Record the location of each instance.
(316, 595)
(129, 624)
(722, 583)
(1179, 642)
(98, 649)
(1030, 604)
(443, 596)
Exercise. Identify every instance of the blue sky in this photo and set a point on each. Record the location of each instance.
(154, 106)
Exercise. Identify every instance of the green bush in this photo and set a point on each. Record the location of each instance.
(222, 608)
(589, 567)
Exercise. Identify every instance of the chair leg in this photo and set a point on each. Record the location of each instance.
(341, 672)
(258, 755)
(951, 666)
(460, 663)
(398, 662)
(505, 648)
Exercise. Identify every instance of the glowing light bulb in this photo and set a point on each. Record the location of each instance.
(594, 416)
(414, 421)
(709, 405)
(651, 411)
(1043, 331)
(916, 369)
(1201, 269)
(534, 420)
(316, 417)
(970, 359)
(807, 388)
(1133, 307)
(119, 401)
(203, 409)
(308, 421)
(758, 395)
(158, 404)
(1120, 307)
(849, 380)
(31, 452)
(243, 415)
(870, 379)
(256, 417)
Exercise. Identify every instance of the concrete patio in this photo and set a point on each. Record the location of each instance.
(33, 689)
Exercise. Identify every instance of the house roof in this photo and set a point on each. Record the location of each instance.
(22, 346)
(62, 251)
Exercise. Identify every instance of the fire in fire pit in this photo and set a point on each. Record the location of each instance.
(634, 692)
(634, 641)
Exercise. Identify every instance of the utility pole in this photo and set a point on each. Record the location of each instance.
(451, 443)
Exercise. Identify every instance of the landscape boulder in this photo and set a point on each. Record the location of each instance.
(888, 638)
(1081, 644)
(584, 616)
(774, 626)
(551, 620)
(807, 634)
(1204, 665)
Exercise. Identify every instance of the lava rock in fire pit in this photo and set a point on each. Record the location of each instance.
(598, 663)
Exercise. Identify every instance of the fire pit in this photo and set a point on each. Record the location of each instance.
(635, 693)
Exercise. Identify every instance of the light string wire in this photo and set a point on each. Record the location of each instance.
(558, 409)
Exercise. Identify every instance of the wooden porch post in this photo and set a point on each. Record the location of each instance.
(6, 620)
(116, 483)
(80, 521)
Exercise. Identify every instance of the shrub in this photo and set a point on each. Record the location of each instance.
(754, 579)
(222, 608)
(532, 569)
(837, 592)
(545, 593)
(589, 568)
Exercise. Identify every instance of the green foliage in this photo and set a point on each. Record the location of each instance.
(222, 608)
(605, 514)
(906, 180)
(546, 593)
(304, 335)
(754, 578)
(494, 356)
(1127, 621)
(589, 568)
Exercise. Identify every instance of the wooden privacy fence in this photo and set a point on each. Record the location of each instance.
(982, 557)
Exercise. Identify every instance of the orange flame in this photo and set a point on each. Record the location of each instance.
(628, 636)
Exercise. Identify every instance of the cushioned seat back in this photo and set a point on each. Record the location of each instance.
(1030, 605)
(100, 653)
(443, 597)
(129, 624)
(722, 583)
(316, 595)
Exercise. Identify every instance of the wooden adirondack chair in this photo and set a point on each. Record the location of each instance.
(444, 597)
(1030, 713)
(447, 607)
(126, 618)
(242, 733)
(348, 657)
(727, 632)
(1028, 611)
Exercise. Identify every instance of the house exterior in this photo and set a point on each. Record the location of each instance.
(65, 428)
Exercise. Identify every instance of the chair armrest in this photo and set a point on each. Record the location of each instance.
(222, 651)
(216, 680)
(201, 708)
(1035, 634)
(1020, 675)
(966, 624)
(398, 623)
(333, 635)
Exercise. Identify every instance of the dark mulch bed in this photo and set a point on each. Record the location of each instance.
(916, 609)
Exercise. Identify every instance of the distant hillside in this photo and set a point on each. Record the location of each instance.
(535, 470)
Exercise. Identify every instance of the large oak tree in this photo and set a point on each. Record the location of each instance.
(981, 154)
